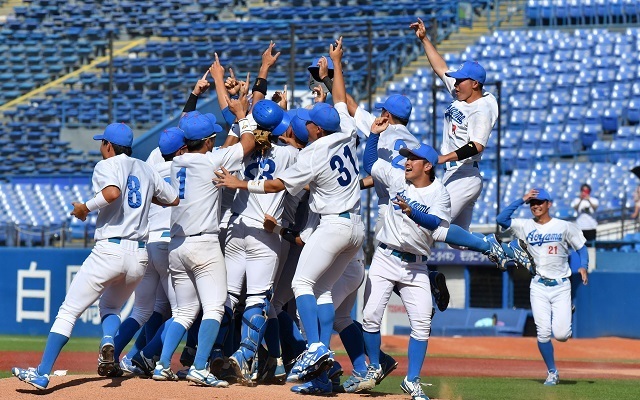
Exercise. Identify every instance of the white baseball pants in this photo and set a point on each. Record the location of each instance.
(464, 185)
(551, 307)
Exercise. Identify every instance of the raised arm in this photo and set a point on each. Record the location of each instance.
(371, 150)
(217, 72)
(435, 59)
(339, 91)
(201, 86)
(504, 218)
(268, 60)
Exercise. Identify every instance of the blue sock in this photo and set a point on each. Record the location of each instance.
(272, 337)
(291, 339)
(126, 332)
(372, 342)
(110, 325)
(354, 345)
(459, 237)
(153, 324)
(417, 352)
(206, 336)
(225, 324)
(55, 343)
(171, 341)
(138, 345)
(228, 346)
(546, 349)
(326, 316)
(154, 346)
(308, 310)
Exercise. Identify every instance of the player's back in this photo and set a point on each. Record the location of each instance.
(159, 216)
(127, 216)
(335, 187)
(192, 176)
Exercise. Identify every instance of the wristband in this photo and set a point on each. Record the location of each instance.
(191, 103)
(466, 151)
(362, 184)
(97, 202)
(289, 235)
(277, 229)
(228, 116)
(328, 82)
(245, 126)
(260, 86)
(256, 187)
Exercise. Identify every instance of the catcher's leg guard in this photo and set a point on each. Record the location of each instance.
(254, 325)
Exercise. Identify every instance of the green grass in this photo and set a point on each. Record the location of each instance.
(36, 343)
(517, 388)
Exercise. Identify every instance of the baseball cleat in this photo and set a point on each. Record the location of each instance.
(32, 377)
(414, 388)
(294, 374)
(205, 378)
(182, 374)
(388, 365)
(553, 378)
(440, 290)
(146, 365)
(334, 374)
(318, 386)
(161, 373)
(107, 366)
(273, 372)
(241, 368)
(226, 372)
(358, 381)
(522, 257)
(127, 367)
(496, 253)
(216, 361)
(316, 360)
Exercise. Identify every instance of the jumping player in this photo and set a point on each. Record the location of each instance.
(125, 188)
(547, 240)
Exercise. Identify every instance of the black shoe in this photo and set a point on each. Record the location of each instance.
(440, 291)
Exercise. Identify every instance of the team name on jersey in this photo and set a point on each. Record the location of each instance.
(412, 203)
(535, 238)
(452, 113)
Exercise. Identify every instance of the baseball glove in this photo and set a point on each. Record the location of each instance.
(262, 140)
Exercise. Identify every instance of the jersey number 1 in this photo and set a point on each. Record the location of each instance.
(337, 162)
(182, 178)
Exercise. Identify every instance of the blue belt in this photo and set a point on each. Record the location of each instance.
(345, 215)
(551, 282)
(166, 234)
(117, 240)
(455, 164)
(402, 255)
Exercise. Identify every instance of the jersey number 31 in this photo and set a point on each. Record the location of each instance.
(338, 163)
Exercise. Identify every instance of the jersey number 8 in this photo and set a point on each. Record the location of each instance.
(134, 197)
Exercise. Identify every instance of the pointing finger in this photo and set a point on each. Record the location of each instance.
(233, 76)
(204, 77)
(217, 60)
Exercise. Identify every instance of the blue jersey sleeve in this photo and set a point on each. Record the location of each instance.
(504, 218)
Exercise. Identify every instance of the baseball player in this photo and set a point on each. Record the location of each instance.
(154, 296)
(401, 256)
(124, 188)
(251, 251)
(197, 266)
(468, 122)
(547, 241)
(334, 194)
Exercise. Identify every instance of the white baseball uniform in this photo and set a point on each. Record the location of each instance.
(550, 288)
(329, 166)
(401, 258)
(586, 208)
(465, 122)
(391, 140)
(196, 262)
(118, 260)
(252, 252)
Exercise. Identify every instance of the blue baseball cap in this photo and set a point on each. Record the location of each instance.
(117, 133)
(469, 70)
(398, 105)
(542, 195)
(314, 70)
(422, 151)
(197, 126)
(171, 140)
(298, 126)
(323, 115)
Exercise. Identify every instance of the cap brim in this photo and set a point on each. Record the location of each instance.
(378, 106)
(303, 114)
(98, 137)
(456, 75)
(300, 129)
